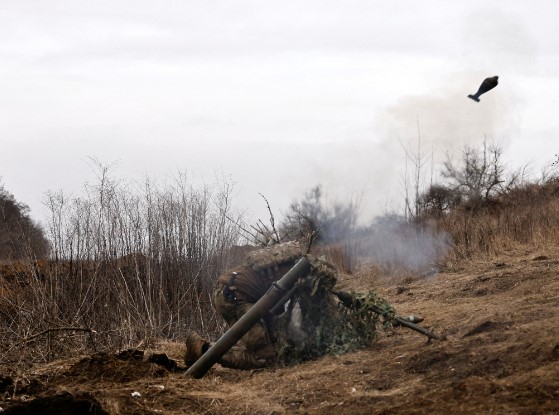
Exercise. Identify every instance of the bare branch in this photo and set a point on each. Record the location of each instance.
(30, 338)
(272, 220)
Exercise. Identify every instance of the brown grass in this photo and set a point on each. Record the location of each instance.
(526, 216)
(495, 299)
(342, 256)
(501, 356)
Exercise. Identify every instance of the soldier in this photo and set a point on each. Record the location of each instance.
(236, 292)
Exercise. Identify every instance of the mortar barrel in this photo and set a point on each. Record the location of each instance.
(244, 324)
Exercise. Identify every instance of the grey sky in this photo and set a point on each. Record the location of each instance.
(280, 95)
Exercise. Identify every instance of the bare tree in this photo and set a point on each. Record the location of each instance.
(331, 226)
(437, 200)
(418, 158)
(479, 174)
(311, 217)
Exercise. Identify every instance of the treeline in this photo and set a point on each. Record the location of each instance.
(20, 236)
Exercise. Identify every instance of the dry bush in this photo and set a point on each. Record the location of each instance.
(342, 256)
(526, 215)
(132, 263)
(329, 228)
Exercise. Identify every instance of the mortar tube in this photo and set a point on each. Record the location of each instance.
(251, 317)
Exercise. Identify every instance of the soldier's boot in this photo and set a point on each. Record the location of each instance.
(267, 354)
(196, 346)
(240, 358)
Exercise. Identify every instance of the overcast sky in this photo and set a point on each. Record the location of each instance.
(279, 95)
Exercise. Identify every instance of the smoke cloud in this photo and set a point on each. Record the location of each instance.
(392, 243)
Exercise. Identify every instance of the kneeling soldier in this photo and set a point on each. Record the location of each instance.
(235, 293)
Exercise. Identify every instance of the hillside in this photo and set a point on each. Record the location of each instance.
(501, 356)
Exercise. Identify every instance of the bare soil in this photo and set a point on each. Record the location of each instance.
(501, 356)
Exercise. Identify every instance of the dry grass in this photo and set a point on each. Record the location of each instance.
(526, 216)
(501, 356)
(342, 256)
(131, 264)
(495, 299)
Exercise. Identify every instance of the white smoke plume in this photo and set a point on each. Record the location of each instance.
(392, 243)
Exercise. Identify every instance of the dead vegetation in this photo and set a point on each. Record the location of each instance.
(129, 265)
(130, 272)
(501, 356)
(527, 215)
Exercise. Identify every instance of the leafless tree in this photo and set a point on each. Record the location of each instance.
(332, 226)
(133, 262)
(478, 175)
(312, 217)
(437, 200)
(419, 159)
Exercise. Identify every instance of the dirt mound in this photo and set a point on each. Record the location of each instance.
(487, 325)
(62, 404)
(104, 367)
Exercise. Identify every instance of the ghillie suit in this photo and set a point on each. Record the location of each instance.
(317, 323)
(235, 293)
(310, 324)
(267, 261)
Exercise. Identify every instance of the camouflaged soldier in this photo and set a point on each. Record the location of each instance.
(236, 292)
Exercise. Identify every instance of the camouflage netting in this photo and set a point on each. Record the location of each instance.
(316, 323)
(273, 256)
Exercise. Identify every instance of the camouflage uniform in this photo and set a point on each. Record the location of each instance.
(256, 347)
(239, 289)
(316, 320)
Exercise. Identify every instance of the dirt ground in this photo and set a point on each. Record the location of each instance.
(501, 356)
